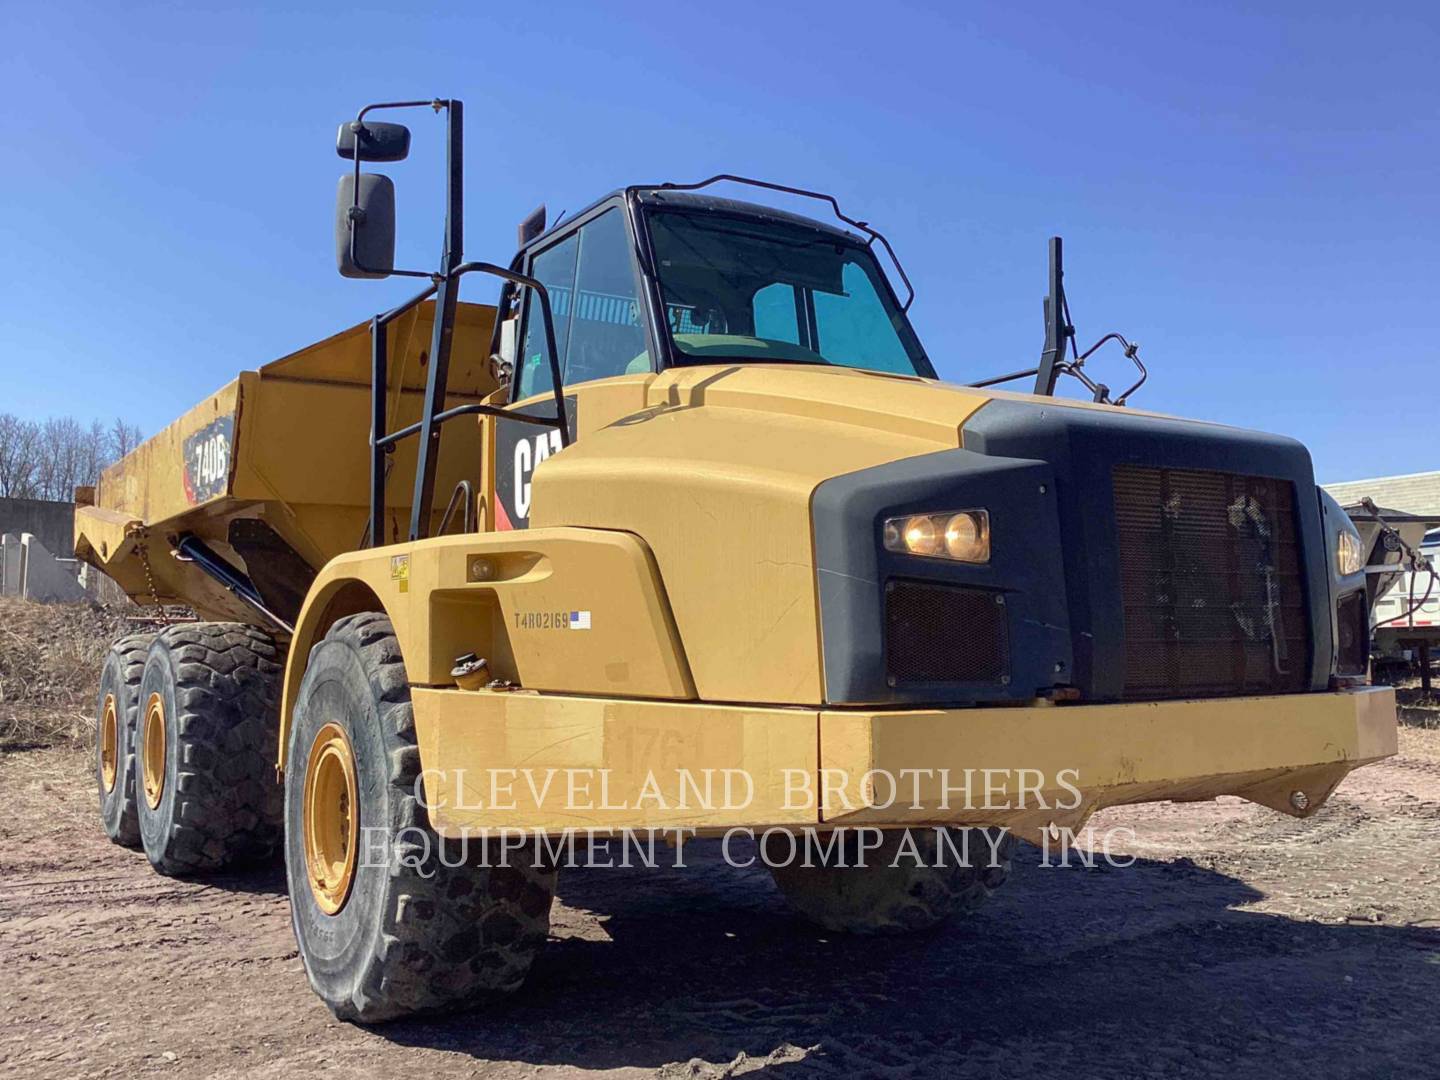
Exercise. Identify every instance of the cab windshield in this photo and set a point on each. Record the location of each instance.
(739, 289)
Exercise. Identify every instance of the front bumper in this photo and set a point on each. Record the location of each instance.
(1052, 767)
(547, 763)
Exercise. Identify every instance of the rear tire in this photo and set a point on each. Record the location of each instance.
(205, 748)
(402, 931)
(892, 893)
(115, 710)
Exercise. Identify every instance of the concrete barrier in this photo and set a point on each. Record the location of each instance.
(9, 565)
(52, 522)
(46, 579)
(49, 584)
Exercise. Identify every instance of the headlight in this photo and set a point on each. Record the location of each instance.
(1349, 553)
(962, 535)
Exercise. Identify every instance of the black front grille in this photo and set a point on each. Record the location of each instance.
(1211, 582)
(944, 634)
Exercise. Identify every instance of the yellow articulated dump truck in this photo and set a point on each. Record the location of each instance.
(684, 536)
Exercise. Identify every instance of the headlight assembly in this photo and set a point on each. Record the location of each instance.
(1349, 553)
(962, 535)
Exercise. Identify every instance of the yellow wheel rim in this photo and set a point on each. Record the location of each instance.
(109, 743)
(152, 758)
(331, 818)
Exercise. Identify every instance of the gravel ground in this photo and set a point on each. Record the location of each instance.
(1240, 943)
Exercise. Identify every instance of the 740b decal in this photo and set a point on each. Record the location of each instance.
(207, 460)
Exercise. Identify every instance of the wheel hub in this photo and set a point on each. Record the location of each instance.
(152, 760)
(109, 743)
(331, 818)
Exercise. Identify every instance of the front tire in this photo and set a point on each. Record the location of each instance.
(893, 892)
(392, 928)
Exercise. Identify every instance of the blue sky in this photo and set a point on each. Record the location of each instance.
(1250, 195)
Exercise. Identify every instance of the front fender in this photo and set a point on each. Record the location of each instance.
(563, 610)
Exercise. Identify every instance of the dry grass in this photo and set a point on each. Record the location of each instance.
(50, 658)
(1417, 708)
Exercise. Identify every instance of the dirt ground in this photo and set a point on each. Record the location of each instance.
(1240, 943)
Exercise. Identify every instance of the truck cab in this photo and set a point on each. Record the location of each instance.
(648, 280)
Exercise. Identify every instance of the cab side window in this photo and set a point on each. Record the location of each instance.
(595, 306)
(605, 334)
(555, 269)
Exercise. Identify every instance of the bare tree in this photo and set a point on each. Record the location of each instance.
(60, 439)
(94, 455)
(19, 456)
(123, 438)
(49, 460)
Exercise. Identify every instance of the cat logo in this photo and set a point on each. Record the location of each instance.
(519, 450)
(528, 454)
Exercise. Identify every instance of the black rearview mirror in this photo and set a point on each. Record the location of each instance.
(371, 220)
(373, 140)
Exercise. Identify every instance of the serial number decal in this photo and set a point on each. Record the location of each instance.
(207, 460)
(542, 620)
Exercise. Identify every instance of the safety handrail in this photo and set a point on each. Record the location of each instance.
(382, 441)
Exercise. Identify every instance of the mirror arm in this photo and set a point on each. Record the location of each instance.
(434, 103)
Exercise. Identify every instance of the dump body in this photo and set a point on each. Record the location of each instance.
(273, 470)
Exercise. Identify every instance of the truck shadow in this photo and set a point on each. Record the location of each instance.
(258, 879)
(1104, 971)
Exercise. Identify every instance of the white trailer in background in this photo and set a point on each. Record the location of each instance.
(1404, 602)
(1402, 606)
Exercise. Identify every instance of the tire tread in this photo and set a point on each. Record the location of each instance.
(129, 653)
(461, 935)
(228, 804)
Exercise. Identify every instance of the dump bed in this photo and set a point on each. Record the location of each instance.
(272, 471)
